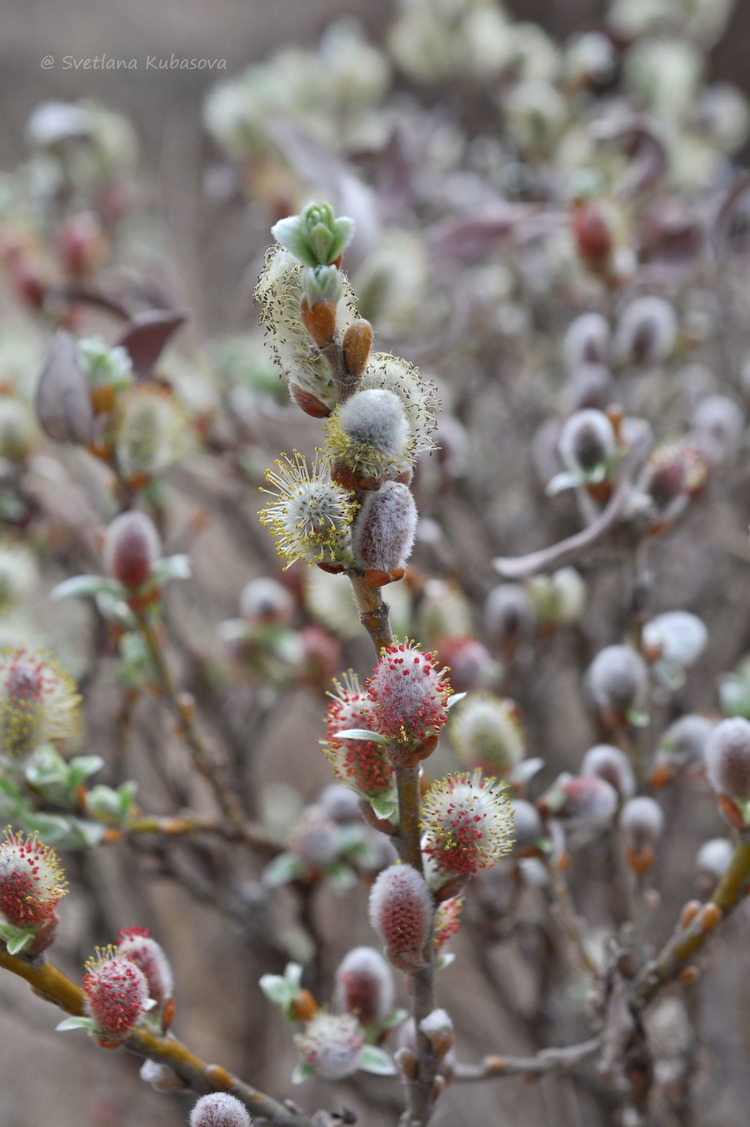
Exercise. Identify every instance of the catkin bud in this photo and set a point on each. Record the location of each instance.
(674, 473)
(712, 860)
(438, 1029)
(18, 574)
(584, 806)
(356, 344)
(131, 548)
(219, 1109)
(617, 682)
(646, 332)
(470, 662)
(609, 763)
(161, 1077)
(17, 429)
(682, 748)
(587, 442)
(362, 764)
(676, 637)
(509, 616)
(401, 913)
(728, 758)
(586, 341)
(364, 986)
(641, 823)
(137, 945)
(716, 427)
(38, 702)
(266, 602)
(383, 532)
(150, 431)
(418, 396)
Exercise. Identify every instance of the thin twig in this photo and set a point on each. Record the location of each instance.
(546, 1061)
(687, 940)
(567, 916)
(573, 547)
(188, 824)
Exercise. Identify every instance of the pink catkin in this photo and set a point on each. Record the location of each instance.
(116, 993)
(137, 945)
(364, 986)
(401, 913)
(131, 548)
(468, 823)
(408, 694)
(361, 763)
(31, 880)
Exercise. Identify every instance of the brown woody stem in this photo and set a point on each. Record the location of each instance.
(189, 825)
(546, 1061)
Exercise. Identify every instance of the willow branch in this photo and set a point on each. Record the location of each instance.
(569, 920)
(202, 1078)
(546, 1061)
(373, 613)
(192, 825)
(573, 547)
(688, 939)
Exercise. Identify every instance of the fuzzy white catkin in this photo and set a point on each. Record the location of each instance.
(641, 821)
(418, 396)
(646, 332)
(728, 758)
(587, 440)
(609, 763)
(375, 430)
(586, 341)
(618, 678)
(219, 1109)
(384, 529)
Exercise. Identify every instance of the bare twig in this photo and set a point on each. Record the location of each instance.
(688, 939)
(573, 547)
(546, 1061)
